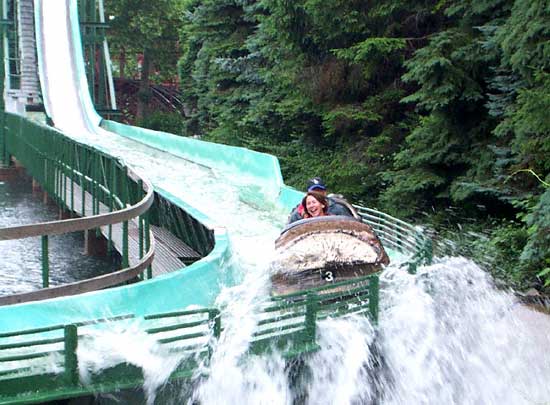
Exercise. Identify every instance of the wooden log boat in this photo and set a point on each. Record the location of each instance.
(319, 251)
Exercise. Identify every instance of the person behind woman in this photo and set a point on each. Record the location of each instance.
(337, 205)
(315, 205)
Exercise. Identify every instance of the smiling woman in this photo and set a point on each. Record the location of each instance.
(315, 205)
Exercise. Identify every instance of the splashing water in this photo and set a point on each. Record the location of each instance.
(448, 336)
(445, 336)
(105, 348)
(341, 372)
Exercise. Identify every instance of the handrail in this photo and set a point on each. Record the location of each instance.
(80, 224)
(401, 236)
(288, 323)
(67, 168)
(90, 284)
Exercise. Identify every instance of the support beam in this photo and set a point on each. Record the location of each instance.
(94, 244)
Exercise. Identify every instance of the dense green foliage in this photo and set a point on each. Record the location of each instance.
(144, 37)
(410, 107)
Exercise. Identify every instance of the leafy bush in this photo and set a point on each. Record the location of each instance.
(164, 121)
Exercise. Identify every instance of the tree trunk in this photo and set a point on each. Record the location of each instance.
(122, 63)
(144, 93)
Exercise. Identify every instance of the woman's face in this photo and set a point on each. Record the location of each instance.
(314, 207)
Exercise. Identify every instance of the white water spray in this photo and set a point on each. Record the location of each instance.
(448, 336)
(127, 343)
(341, 371)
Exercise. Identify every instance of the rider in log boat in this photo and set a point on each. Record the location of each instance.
(324, 242)
(337, 205)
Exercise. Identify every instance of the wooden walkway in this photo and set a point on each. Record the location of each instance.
(170, 252)
(8, 173)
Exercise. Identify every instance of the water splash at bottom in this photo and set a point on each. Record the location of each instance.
(446, 335)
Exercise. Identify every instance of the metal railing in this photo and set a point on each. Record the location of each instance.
(400, 236)
(184, 226)
(13, 56)
(288, 323)
(62, 166)
(23, 352)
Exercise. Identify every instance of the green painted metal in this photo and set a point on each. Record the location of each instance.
(11, 31)
(125, 260)
(4, 158)
(45, 263)
(30, 140)
(289, 323)
(52, 158)
(93, 34)
(292, 324)
(71, 360)
(374, 298)
(148, 244)
(399, 236)
(181, 223)
(311, 317)
(395, 234)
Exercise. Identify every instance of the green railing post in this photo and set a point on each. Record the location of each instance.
(99, 191)
(214, 316)
(141, 236)
(45, 263)
(148, 243)
(429, 251)
(73, 179)
(71, 360)
(4, 159)
(56, 195)
(423, 257)
(214, 319)
(412, 267)
(140, 242)
(95, 187)
(312, 305)
(63, 176)
(4, 156)
(140, 230)
(112, 177)
(83, 181)
(125, 193)
(374, 295)
(125, 258)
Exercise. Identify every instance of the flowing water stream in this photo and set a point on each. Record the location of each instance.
(446, 335)
(21, 265)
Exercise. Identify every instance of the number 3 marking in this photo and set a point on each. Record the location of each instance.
(328, 276)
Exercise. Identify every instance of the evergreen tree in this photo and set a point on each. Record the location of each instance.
(401, 105)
